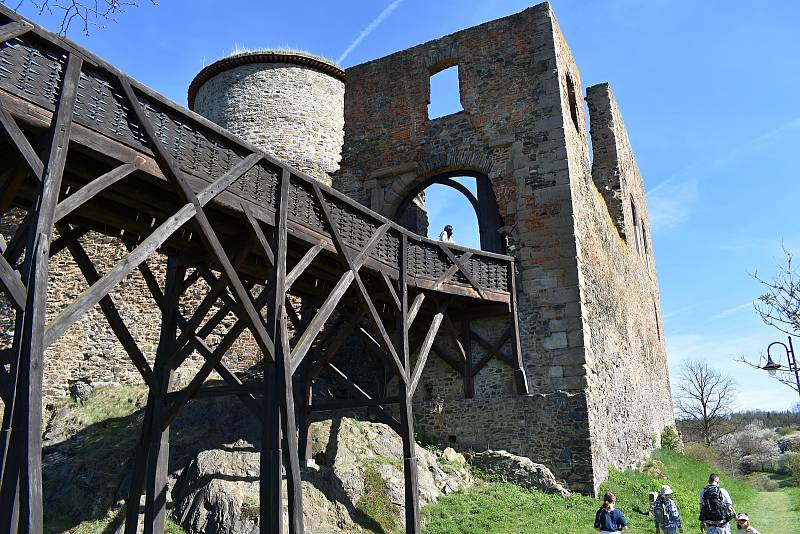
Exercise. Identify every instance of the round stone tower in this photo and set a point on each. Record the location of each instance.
(289, 104)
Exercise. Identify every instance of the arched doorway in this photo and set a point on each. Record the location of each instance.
(483, 201)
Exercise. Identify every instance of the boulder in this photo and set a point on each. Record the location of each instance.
(217, 493)
(518, 470)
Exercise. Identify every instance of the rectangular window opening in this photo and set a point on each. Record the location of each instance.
(445, 94)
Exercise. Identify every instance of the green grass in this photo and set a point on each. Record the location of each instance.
(502, 507)
(376, 511)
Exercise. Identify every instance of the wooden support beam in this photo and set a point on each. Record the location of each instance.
(358, 390)
(35, 276)
(414, 310)
(301, 265)
(355, 403)
(21, 143)
(425, 348)
(90, 190)
(171, 170)
(12, 285)
(112, 314)
(141, 252)
(406, 429)
(516, 348)
(461, 263)
(14, 29)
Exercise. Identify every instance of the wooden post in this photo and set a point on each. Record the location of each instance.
(516, 347)
(22, 476)
(406, 415)
(278, 395)
(466, 342)
(158, 455)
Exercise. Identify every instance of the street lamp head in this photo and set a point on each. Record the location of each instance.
(771, 367)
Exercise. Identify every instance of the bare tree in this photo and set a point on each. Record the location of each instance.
(87, 13)
(705, 399)
(779, 307)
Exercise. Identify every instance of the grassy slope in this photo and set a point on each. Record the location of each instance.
(501, 508)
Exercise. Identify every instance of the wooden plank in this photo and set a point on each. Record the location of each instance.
(21, 143)
(283, 360)
(340, 333)
(516, 348)
(123, 268)
(113, 316)
(12, 285)
(301, 265)
(262, 239)
(31, 512)
(466, 344)
(349, 404)
(391, 289)
(414, 309)
(217, 391)
(14, 29)
(462, 268)
(493, 349)
(426, 347)
(362, 293)
(406, 428)
(90, 190)
(358, 390)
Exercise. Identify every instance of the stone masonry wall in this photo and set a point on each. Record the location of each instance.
(511, 130)
(291, 111)
(625, 350)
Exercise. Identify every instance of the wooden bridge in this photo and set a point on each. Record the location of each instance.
(85, 148)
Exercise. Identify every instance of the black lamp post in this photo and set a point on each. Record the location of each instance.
(773, 367)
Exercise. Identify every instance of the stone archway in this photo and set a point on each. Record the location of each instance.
(484, 204)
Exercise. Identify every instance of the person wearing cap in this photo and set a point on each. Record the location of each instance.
(743, 524)
(447, 235)
(669, 521)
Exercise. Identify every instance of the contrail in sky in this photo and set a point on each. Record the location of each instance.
(372, 25)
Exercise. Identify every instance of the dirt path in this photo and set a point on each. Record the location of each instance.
(773, 514)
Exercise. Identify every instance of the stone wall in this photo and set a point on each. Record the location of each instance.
(625, 353)
(290, 110)
(524, 126)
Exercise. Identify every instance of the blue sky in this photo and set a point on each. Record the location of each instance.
(708, 91)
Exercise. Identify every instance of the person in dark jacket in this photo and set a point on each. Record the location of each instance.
(610, 520)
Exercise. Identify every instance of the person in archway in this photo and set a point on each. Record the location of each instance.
(447, 235)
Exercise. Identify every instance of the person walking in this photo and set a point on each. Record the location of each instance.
(716, 508)
(609, 519)
(447, 235)
(743, 524)
(665, 513)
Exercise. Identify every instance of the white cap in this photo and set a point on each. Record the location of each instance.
(665, 490)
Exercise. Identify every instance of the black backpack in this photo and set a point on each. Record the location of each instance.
(714, 508)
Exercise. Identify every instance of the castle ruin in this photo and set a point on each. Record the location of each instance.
(588, 301)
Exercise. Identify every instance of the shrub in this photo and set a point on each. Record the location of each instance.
(762, 482)
(671, 439)
(791, 464)
(702, 453)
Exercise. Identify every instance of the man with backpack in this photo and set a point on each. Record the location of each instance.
(665, 513)
(716, 508)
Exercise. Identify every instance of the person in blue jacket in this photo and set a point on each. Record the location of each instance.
(610, 520)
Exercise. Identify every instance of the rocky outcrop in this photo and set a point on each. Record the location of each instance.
(518, 470)
(217, 493)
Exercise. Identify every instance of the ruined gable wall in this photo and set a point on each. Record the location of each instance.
(625, 353)
(511, 130)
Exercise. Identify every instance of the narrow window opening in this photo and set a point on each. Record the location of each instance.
(635, 220)
(445, 94)
(658, 324)
(573, 103)
(644, 245)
